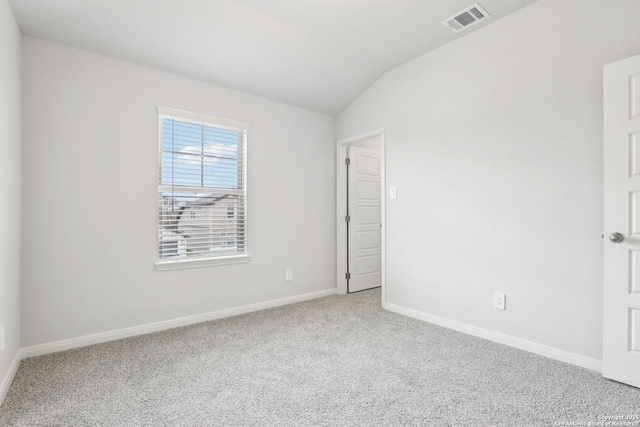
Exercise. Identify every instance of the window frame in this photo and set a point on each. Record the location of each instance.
(163, 264)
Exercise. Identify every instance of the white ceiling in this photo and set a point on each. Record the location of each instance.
(316, 54)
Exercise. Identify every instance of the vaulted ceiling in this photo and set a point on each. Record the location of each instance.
(316, 54)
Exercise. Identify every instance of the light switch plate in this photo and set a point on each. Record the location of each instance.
(393, 193)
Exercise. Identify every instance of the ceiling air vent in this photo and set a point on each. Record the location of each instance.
(466, 18)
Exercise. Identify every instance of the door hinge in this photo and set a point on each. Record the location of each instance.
(347, 276)
(347, 218)
(347, 161)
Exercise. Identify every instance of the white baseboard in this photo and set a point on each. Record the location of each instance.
(42, 349)
(6, 381)
(530, 346)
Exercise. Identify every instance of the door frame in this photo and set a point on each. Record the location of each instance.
(341, 208)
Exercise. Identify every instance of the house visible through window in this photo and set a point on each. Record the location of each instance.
(202, 187)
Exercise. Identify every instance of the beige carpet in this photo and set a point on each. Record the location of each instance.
(335, 361)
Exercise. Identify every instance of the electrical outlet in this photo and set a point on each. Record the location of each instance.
(1, 337)
(499, 300)
(289, 274)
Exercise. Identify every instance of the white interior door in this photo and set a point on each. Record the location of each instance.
(621, 352)
(364, 225)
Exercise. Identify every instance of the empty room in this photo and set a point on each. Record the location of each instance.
(320, 212)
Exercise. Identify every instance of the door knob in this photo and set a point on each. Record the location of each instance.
(616, 237)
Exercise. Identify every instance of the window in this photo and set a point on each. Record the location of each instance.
(202, 192)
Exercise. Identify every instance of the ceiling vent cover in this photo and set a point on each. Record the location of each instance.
(469, 16)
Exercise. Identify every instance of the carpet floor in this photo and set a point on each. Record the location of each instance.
(334, 361)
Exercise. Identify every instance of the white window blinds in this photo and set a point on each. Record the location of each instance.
(202, 191)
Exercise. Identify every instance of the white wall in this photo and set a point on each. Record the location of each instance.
(495, 144)
(10, 186)
(91, 138)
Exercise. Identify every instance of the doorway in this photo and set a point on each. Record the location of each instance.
(360, 213)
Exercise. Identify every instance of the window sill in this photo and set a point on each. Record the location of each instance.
(203, 262)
